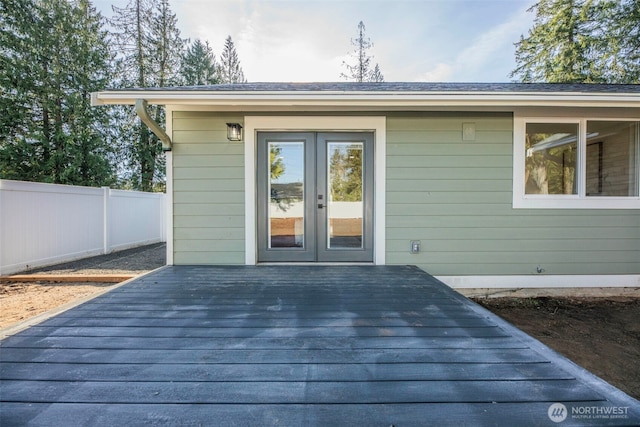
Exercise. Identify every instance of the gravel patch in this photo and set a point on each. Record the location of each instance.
(134, 261)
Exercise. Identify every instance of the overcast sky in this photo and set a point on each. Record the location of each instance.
(308, 40)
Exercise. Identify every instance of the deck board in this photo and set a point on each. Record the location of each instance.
(292, 345)
(197, 356)
(292, 392)
(262, 343)
(233, 372)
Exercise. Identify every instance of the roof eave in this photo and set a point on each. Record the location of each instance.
(367, 99)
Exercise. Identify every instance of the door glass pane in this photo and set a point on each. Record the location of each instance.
(345, 202)
(552, 151)
(286, 195)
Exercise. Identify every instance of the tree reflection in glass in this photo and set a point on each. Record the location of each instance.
(286, 190)
(345, 207)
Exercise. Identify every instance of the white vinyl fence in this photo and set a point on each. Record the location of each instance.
(45, 224)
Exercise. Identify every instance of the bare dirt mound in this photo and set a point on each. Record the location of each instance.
(599, 334)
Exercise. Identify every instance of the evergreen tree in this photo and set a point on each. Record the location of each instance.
(18, 159)
(230, 69)
(361, 71)
(376, 75)
(91, 71)
(150, 49)
(346, 174)
(55, 53)
(131, 25)
(581, 41)
(624, 41)
(167, 45)
(555, 49)
(199, 66)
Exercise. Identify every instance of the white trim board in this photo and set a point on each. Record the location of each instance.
(542, 281)
(295, 100)
(169, 188)
(376, 124)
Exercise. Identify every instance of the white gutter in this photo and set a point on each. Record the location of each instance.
(369, 99)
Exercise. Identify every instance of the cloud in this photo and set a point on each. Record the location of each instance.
(292, 60)
(487, 56)
(495, 41)
(274, 39)
(441, 72)
(295, 40)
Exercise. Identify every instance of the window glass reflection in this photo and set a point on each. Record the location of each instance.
(345, 208)
(286, 195)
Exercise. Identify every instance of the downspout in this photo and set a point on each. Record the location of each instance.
(141, 109)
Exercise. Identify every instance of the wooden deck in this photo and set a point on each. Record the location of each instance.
(294, 346)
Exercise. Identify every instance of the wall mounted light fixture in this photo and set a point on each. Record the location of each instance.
(234, 132)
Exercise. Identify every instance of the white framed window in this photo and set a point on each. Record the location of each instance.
(576, 163)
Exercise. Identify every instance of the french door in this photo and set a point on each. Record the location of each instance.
(315, 197)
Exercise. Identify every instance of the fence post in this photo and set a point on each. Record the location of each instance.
(1, 229)
(105, 219)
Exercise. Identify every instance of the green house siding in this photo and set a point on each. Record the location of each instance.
(455, 196)
(208, 190)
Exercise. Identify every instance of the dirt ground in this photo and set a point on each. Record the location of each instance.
(22, 301)
(599, 334)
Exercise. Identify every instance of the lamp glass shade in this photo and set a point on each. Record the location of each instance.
(234, 132)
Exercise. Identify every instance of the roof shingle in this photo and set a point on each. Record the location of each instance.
(405, 87)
